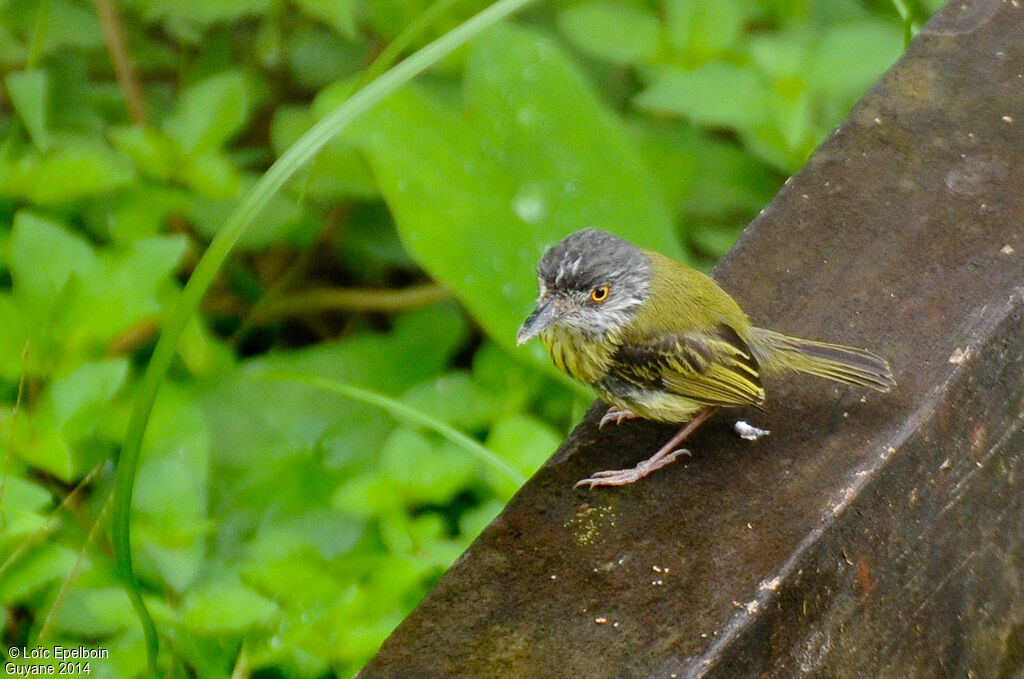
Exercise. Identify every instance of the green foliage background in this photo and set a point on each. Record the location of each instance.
(278, 529)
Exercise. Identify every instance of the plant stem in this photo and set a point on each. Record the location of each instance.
(124, 70)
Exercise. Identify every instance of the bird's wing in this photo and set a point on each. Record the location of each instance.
(713, 368)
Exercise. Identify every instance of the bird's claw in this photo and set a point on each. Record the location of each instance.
(616, 415)
(624, 477)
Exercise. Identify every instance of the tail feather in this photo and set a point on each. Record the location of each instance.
(776, 352)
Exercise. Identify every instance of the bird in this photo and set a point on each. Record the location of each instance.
(661, 341)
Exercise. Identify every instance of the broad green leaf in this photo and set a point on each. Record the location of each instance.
(423, 470)
(74, 170)
(19, 326)
(339, 171)
(524, 442)
(210, 175)
(132, 281)
(39, 567)
(24, 495)
(210, 112)
(715, 239)
(29, 92)
(154, 153)
(472, 522)
(479, 193)
(44, 256)
(453, 398)
(78, 398)
(850, 58)
(172, 490)
(306, 442)
(390, 17)
(338, 14)
(202, 12)
(367, 495)
(782, 55)
(72, 24)
(702, 29)
(614, 31)
(64, 423)
(316, 57)
(21, 510)
(67, 302)
(717, 94)
(141, 210)
(95, 612)
(222, 607)
(283, 221)
(791, 116)
(46, 450)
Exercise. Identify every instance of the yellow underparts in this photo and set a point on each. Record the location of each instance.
(588, 361)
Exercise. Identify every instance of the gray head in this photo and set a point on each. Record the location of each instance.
(591, 281)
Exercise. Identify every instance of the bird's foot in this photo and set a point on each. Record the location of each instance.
(623, 477)
(616, 415)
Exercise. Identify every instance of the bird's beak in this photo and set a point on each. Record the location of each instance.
(547, 312)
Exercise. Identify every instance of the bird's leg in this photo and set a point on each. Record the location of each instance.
(665, 455)
(616, 415)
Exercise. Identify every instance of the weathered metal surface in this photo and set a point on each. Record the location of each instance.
(869, 535)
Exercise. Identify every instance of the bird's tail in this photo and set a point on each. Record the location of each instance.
(776, 352)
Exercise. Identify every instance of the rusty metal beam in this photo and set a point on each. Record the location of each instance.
(870, 535)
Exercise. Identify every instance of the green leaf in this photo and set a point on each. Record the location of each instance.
(132, 281)
(283, 221)
(424, 471)
(29, 92)
(171, 505)
(453, 398)
(307, 428)
(141, 211)
(702, 29)
(210, 175)
(316, 57)
(64, 423)
(782, 55)
(210, 112)
(77, 169)
(78, 398)
(478, 194)
(44, 257)
(792, 118)
(72, 24)
(226, 607)
(153, 152)
(615, 31)
(19, 326)
(202, 12)
(523, 441)
(339, 171)
(473, 521)
(41, 566)
(717, 94)
(20, 511)
(95, 612)
(367, 496)
(850, 58)
(338, 14)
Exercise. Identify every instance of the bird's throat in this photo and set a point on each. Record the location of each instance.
(584, 358)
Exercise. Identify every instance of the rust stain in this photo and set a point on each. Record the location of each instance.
(864, 577)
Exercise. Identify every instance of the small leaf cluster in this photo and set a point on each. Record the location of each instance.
(279, 529)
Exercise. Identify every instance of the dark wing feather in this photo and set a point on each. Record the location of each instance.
(716, 369)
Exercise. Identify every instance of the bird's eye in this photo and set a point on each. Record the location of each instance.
(600, 294)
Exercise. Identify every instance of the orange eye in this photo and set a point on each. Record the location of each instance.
(600, 294)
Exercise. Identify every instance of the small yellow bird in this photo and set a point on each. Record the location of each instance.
(664, 342)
